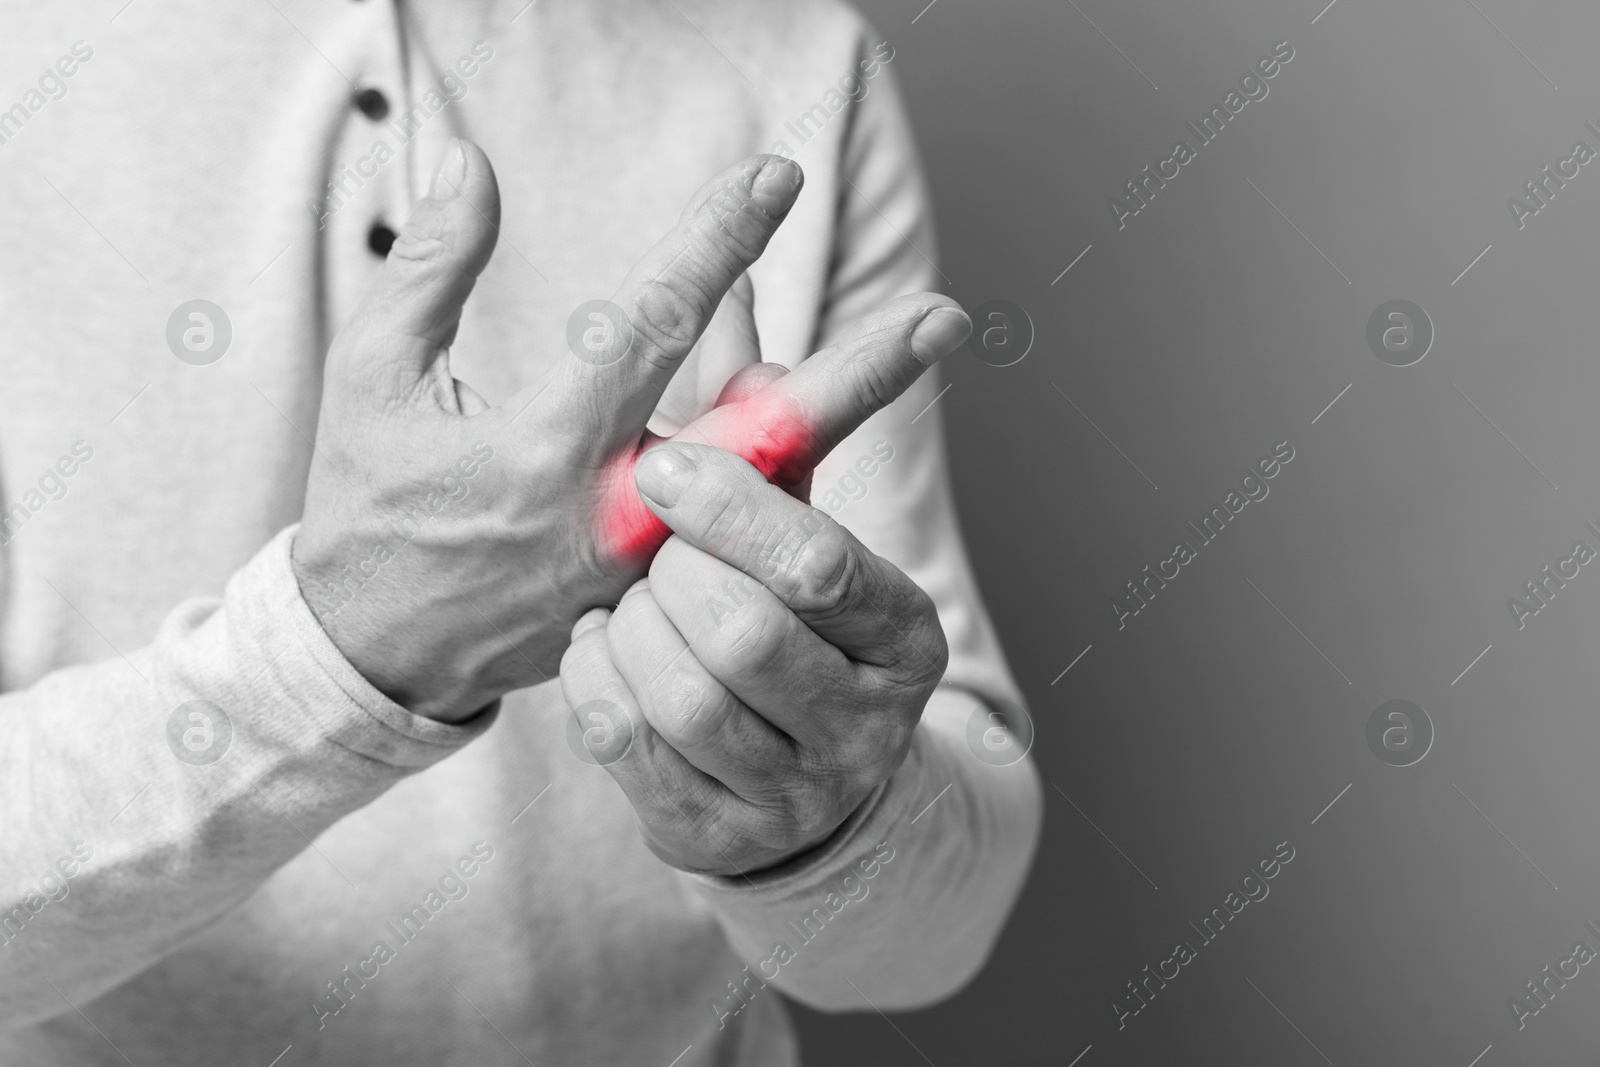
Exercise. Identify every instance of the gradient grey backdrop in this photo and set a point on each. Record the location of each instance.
(1197, 338)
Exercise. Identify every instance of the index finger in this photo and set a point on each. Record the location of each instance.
(666, 301)
(787, 427)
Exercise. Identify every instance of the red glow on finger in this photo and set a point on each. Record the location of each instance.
(629, 531)
(766, 430)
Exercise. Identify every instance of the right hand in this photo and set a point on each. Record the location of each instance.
(448, 546)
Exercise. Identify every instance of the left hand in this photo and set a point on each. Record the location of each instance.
(764, 678)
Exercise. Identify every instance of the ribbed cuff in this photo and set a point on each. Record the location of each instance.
(299, 664)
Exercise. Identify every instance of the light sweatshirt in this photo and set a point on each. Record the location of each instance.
(218, 842)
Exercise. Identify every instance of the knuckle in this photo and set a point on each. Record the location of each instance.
(426, 238)
(822, 572)
(694, 808)
(939, 647)
(879, 379)
(713, 821)
(781, 440)
(929, 655)
(842, 763)
(814, 806)
(690, 704)
(874, 751)
(667, 312)
(755, 649)
(895, 742)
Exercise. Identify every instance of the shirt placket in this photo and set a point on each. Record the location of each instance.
(369, 183)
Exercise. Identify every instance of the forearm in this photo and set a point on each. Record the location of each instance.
(130, 825)
(902, 907)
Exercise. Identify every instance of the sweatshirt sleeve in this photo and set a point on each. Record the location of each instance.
(146, 796)
(901, 907)
(904, 903)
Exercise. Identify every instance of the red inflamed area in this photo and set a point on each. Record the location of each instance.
(766, 429)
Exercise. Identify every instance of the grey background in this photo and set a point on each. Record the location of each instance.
(1197, 338)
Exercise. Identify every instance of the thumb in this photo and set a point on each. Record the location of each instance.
(411, 312)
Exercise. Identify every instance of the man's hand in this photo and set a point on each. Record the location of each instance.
(762, 681)
(448, 546)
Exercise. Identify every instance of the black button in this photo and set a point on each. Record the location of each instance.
(380, 239)
(373, 104)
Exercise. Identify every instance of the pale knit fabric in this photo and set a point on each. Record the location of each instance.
(207, 907)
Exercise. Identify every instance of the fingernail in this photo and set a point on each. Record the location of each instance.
(775, 186)
(451, 173)
(661, 474)
(937, 335)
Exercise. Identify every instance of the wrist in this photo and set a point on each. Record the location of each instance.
(348, 614)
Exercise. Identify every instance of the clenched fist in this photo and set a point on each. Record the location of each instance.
(764, 678)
